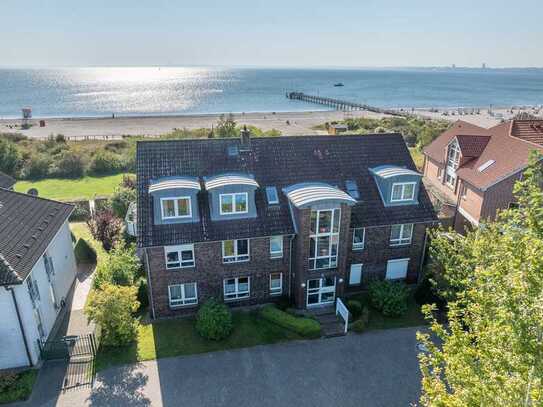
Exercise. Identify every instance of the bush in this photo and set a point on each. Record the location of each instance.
(284, 303)
(306, 327)
(425, 293)
(80, 213)
(354, 307)
(214, 320)
(389, 297)
(84, 253)
(106, 162)
(121, 199)
(358, 326)
(16, 386)
(36, 166)
(121, 267)
(10, 158)
(143, 293)
(69, 165)
(128, 182)
(105, 228)
(112, 308)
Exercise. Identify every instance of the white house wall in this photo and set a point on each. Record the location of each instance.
(12, 349)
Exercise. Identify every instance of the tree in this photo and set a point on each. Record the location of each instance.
(491, 351)
(120, 267)
(105, 227)
(121, 199)
(69, 164)
(10, 158)
(112, 308)
(226, 126)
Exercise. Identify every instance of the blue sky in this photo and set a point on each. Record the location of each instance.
(271, 33)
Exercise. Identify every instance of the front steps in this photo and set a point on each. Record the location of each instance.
(331, 324)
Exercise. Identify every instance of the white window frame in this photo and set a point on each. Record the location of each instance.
(453, 161)
(403, 198)
(276, 254)
(236, 257)
(272, 200)
(176, 207)
(276, 291)
(361, 266)
(234, 211)
(407, 259)
(402, 241)
(184, 301)
(332, 259)
(237, 294)
(359, 246)
(179, 249)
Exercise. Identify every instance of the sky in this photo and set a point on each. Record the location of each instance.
(300, 33)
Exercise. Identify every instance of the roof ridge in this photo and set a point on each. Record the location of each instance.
(37, 197)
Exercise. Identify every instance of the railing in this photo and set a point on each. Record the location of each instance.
(342, 310)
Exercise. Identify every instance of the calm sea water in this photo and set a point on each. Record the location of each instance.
(71, 92)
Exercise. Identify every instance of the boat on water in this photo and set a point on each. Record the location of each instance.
(338, 84)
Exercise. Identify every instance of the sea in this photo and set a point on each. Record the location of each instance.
(137, 91)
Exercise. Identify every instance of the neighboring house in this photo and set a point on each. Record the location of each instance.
(37, 269)
(248, 221)
(6, 181)
(474, 169)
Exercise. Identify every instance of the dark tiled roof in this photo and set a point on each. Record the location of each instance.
(528, 130)
(277, 161)
(6, 181)
(472, 146)
(27, 226)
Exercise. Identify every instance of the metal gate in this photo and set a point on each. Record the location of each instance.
(79, 352)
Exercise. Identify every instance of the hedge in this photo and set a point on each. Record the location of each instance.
(84, 253)
(306, 327)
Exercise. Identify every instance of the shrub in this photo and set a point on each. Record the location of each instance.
(306, 327)
(69, 165)
(358, 326)
(10, 158)
(214, 320)
(84, 253)
(16, 386)
(354, 307)
(128, 182)
(7, 379)
(425, 293)
(36, 166)
(389, 297)
(121, 267)
(112, 308)
(143, 293)
(121, 199)
(105, 228)
(106, 162)
(283, 303)
(80, 213)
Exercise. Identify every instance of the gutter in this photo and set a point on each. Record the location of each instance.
(21, 326)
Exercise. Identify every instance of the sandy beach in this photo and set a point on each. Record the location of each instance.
(289, 123)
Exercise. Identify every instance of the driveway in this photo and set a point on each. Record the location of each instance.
(378, 368)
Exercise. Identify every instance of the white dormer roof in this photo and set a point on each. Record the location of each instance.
(389, 171)
(305, 194)
(230, 179)
(173, 183)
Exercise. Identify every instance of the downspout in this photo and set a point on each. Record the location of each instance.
(423, 256)
(21, 326)
(290, 266)
(149, 283)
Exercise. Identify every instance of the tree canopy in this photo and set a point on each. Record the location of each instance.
(490, 353)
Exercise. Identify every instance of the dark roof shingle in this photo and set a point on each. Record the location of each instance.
(28, 224)
(6, 181)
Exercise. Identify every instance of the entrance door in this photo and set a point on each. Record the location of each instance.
(321, 291)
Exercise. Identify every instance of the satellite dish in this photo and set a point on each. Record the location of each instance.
(32, 191)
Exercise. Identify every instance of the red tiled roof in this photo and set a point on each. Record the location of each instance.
(509, 153)
(528, 130)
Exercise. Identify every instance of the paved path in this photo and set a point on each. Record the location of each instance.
(378, 368)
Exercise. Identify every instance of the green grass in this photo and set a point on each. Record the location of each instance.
(178, 337)
(72, 189)
(21, 389)
(81, 230)
(417, 157)
(413, 317)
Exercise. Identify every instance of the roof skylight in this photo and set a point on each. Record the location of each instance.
(485, 165)
(352, 188)
(271, 194)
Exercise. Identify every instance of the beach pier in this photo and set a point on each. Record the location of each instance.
(343, 105)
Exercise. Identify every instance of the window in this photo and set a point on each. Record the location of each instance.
(453, 161)
(397, 269)
(231, 204)
(359, 235)
(179, 256)
(33, 290)
(276, 283)
(352, 188)
(235, 250)
(271, 194)
(403, 192)
(324, 239)
(276, 246)
(355, 276)
(401, 234)
(183, 294)
(173, 208)
(236, 288)
(463, 191)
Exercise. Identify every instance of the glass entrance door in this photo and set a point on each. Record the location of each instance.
(321, 291)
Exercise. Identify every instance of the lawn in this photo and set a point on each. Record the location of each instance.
(413, 317)
(417, 157)
(21, 388)
(72, 189)
(178, 337)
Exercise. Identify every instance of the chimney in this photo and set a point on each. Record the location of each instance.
(245, 137)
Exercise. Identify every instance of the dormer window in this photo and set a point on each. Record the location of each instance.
(403, 191)
(231, 204)
(175, 208)
(271, 195)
